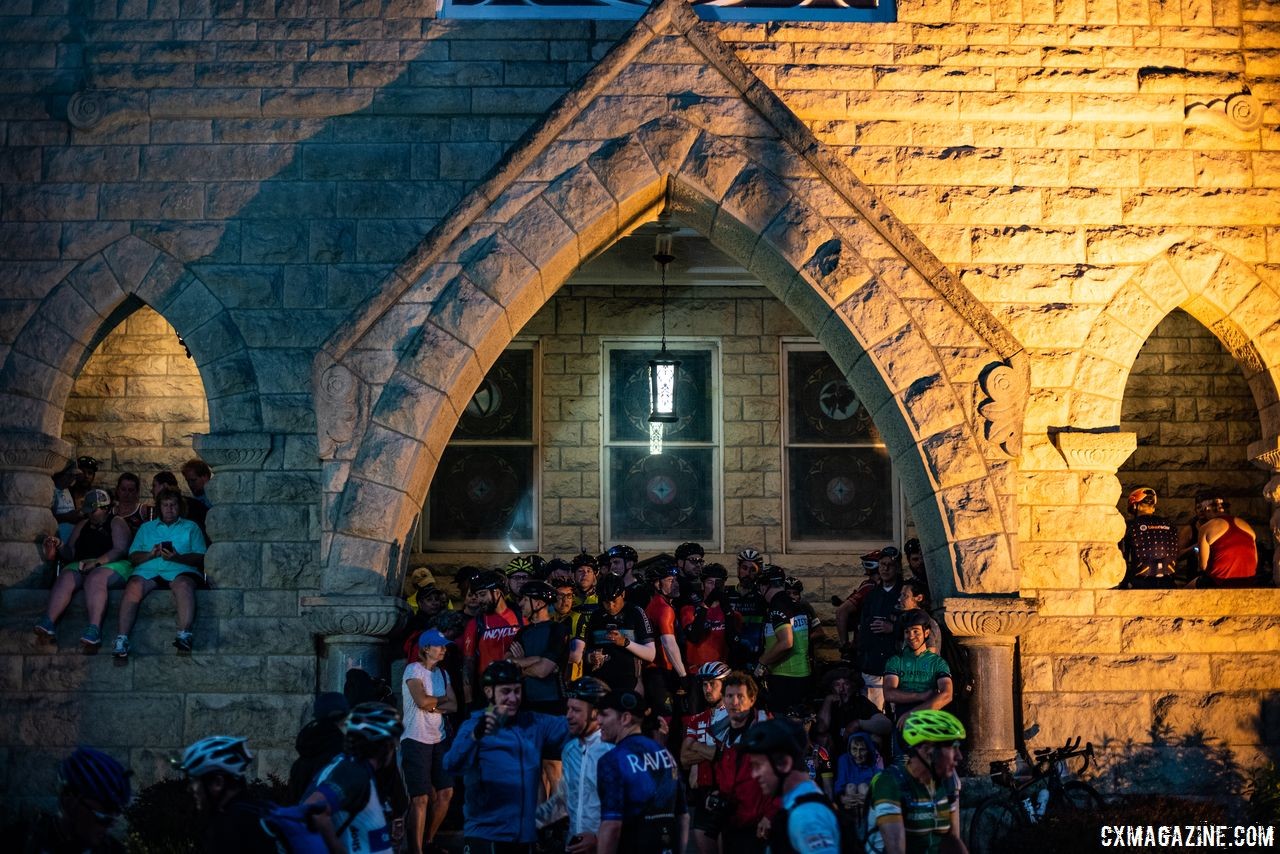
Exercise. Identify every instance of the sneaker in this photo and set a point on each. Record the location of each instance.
(92, 638)
(44, 628)
(120, 649)
(182, 642)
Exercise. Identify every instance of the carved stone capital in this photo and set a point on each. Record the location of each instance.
(21, 450)
(354, 616)
(92, 109)
(987, 620)
(1265, 454)
(233, 451)
(1241, 111)
(1085, 451)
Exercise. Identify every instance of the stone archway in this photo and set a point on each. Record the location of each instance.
(40, 367)
(733, 162)
(1228, 297)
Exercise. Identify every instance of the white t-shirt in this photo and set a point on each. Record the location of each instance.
(420, 726)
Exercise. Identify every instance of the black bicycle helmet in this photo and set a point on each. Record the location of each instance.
(779, 735)
(491, 580)
(609, 587)
(539, 590)
(370, 723)
(589, 689)
(625, 552)
(687, 550)
(585, 559)
(656, 573)
(501, 672)
(94, 774)
(793, 585)
(916, 617)
(772, 576)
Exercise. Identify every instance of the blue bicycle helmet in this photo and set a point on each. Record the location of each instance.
(94, 774)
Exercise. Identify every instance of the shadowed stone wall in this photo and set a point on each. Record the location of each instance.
(137, 402)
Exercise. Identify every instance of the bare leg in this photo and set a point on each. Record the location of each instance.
(63, 589)
(184, 599)
(95, 593)
(439, 809)
(415, 821)
(134, 592)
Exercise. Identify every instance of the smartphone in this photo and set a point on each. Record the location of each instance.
(167, 545)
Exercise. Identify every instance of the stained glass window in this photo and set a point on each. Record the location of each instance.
(483, 493)
(841, 487)
(661, 480)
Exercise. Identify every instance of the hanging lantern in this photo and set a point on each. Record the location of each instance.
(663, 367)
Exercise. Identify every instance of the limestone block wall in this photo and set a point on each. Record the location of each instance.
(1193, 413)
(1177, 689)
(137, 401)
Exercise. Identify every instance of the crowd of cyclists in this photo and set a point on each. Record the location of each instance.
(603, 705)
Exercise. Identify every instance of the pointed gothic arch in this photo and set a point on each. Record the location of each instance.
(58, 337)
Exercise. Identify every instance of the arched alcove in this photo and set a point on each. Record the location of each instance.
(1195, 416)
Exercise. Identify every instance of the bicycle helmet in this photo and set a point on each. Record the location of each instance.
(713, 670)
(610, 587)
(585, 559)
(501, 672)
(94, 774)
(1142, 495)
(889, 553)
(225, 753)
(625, 552)
(750, 555)
(931, 725)
(657, 573)
(916, 617)
(519, 564)
(911, 547)
(539, 590)
(778, 735)
(688, 550)
(589, 689)
(370, 723)
(491, 580)
(792, 584)
(772, 576)
(451, 623)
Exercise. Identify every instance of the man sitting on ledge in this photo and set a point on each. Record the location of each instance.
(166, 552)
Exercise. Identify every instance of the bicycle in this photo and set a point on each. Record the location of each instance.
(1027, 802)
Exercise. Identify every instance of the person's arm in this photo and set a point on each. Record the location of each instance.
(322, 823)
(894, 835)
(896, 695)
(672, 650)
(785, 637)
(421, 698)
(692, 752)
(465, 750)
(576, 648)
(142, 549)
(940, 697)
(642, 651)
(68, 550)
(822, 725)
(449, 704)
(953, 842)
(609, 836)
(120, 536)
(684, 832)
(695, 628)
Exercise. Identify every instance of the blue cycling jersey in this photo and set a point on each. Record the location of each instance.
(639, 786)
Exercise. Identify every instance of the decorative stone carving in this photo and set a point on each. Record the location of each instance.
(982, 617)
(367, 616)
(24, 451)
(1005, 385)
(1242, 349)
(341, 408)
(1265, 454)
(1085, 451)
(99, 109)
(1241, 111)
(233, 451)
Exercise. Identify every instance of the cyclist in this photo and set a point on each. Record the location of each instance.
(498, 753)
(703, 734)
(578, 796)
(642, 808)
(349, 813)
(93, 791)
(806, 822)
(747, 609)
(215, 768)
(916, 806)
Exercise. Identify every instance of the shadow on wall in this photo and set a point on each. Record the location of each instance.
(1201, 764)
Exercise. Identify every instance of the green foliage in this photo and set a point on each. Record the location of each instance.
(162, 818)
(1080, 830)
(1263, 791)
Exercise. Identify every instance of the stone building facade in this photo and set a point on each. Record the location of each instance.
(349, 210)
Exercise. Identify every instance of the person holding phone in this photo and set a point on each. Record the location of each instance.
(167, 552)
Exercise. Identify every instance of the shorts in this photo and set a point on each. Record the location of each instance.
(167, 583)
(873, 689)
(122, 569)
(423, 767)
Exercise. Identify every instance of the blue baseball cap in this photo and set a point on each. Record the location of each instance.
(431, 637)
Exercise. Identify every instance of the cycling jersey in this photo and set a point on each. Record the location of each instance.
(488, 637)
(1150, 546)
(1234, 555)
(747, 608)
(926, 813)
(705, 634)
(806, 824)
(707, 727)
(577, 795)
(662, 618)
(783, 612)
(354, 806)
(621, 668)
(639, 785)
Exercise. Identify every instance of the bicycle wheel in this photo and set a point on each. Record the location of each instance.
(992, 822)
(1077, 797)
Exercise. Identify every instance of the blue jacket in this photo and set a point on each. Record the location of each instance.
(503, 773)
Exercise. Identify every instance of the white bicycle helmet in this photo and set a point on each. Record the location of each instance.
(713, 670)
(224, 753)
(750, 555)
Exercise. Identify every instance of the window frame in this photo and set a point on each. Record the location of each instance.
(422, 544)
(652, 344)
(788, 344)
(885, 11)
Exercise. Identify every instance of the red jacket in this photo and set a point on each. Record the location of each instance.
(733, 778)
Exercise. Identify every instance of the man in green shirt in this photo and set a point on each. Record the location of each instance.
(915, 808)
(916, 678)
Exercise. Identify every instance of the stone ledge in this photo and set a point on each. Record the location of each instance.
(1188, 603)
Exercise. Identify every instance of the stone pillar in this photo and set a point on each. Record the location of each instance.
(1093, 522)
(238, 524)
(1265, 455)
(988, 628)
(27, 463)
(354, 630)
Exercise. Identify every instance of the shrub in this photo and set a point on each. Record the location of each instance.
(162, 818)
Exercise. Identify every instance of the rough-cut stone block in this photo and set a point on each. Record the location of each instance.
(1096, 717)
(1073, 636)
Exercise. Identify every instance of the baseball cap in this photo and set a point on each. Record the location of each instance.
(94, 499)
(431, 637)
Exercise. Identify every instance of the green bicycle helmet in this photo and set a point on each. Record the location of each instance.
(931, 725)
(519, 564)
